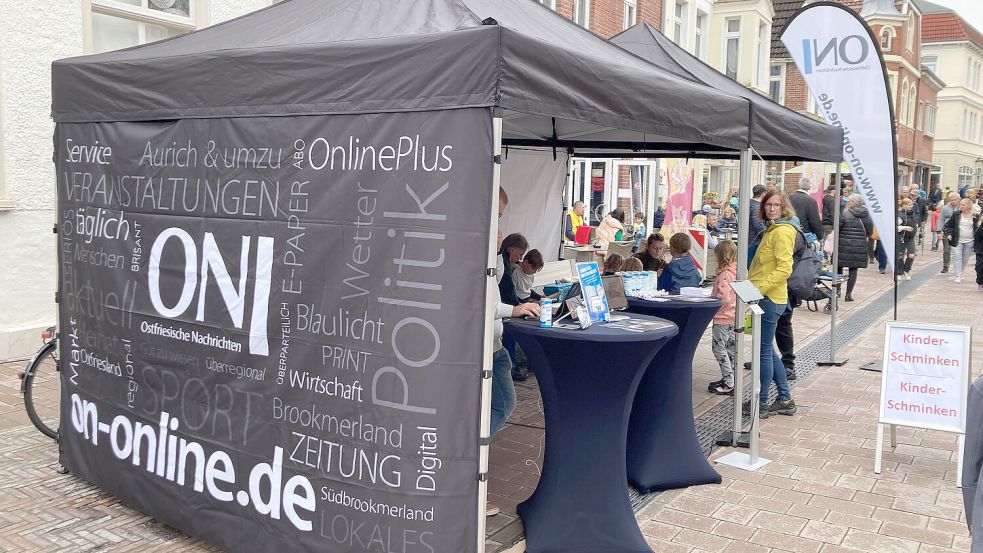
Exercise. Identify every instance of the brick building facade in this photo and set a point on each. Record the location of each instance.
(609, 17)
(914, 88)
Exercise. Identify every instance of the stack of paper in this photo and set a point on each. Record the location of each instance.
(693, 292)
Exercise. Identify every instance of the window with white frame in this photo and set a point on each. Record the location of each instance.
(920, 116)
(776, 83)
(911, 32)
(964, 176)
(551, 4)
(700, 36)
(887, 38)
(912, 102)
(732, 46)
(973, 70)
(679, 23)
(631, 13)
(811, 106)
(115, 24)
(929, 121)
(965, 124)
(903, 104)
(581, 12)
(893, 80)
(763, 44)
(931, 63)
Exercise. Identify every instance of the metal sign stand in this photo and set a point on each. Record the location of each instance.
(735, 437)
(838, 283)
(879, 450)
(748, 461)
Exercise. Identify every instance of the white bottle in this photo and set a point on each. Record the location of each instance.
(546, 313)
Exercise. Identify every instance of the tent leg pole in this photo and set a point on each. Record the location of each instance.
(735, 437)
(835, 301)
(491, 301)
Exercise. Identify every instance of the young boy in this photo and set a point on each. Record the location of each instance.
(638, 229)
(524, 273)
(680, 272)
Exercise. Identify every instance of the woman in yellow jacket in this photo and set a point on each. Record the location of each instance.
(769, 272)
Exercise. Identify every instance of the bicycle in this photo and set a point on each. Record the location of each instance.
(43, 376)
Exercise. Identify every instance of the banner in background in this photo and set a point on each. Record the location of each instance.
(816, 174)
(835, 51)
(536, 182)
(269, 336)
(679, 202)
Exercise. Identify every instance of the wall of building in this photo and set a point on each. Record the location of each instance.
(924, 143)
(27, 281)
(753, 14)
(951, 147)
(31, 38)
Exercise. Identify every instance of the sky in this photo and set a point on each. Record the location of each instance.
(970, 10)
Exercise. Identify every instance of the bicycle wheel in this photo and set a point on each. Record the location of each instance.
(42, 390)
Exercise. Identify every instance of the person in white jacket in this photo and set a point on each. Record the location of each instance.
(503, 390)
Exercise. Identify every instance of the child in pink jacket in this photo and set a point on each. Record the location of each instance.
(724, 338)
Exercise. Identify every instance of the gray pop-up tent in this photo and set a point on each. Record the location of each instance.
(777, 133)
(277, 255)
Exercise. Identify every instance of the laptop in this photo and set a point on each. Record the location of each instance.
(560, 306)
(614, 291)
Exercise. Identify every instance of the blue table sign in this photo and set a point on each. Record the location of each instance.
(592, 289)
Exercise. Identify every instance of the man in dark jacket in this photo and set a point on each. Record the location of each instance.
(757, 226)
(827, 215)
(919, 204)
(659, 219)
(934, 196)
(807, 210)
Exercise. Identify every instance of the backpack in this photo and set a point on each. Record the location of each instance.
(805, 266)
(805, 269)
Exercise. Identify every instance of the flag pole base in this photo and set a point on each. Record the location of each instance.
(742, 461)
(876, 365)
(832, 363)
(726, 439)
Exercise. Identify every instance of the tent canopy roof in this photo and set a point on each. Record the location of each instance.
(554, 82)
(776, 131)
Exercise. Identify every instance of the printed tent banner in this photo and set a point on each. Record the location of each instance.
(835, 51)
(274, 255)
(267, 336)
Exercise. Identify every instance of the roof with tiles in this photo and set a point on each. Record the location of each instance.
(948, 26)
(784, 9)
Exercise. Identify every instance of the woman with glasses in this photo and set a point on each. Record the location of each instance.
(769, 272)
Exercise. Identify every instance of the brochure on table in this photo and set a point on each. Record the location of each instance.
(592, 289)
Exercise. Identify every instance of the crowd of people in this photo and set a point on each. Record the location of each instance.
(781, 225)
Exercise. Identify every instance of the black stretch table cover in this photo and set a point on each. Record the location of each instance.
(587, 379)
(663, 449)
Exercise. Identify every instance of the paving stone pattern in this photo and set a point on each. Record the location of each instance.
(818, 495)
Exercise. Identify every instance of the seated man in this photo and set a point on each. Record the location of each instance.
(681, 271)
